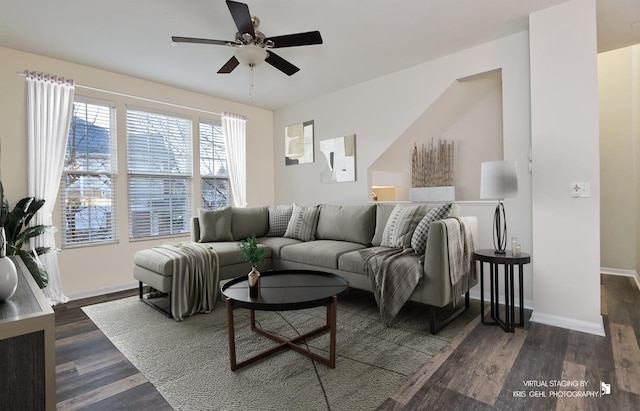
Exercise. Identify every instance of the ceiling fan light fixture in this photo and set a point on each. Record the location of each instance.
(251, 55)
(252, 47)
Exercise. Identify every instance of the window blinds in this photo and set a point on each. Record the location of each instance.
(159, 166)
(88, 184)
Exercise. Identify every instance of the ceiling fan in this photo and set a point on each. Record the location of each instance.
(253, 47)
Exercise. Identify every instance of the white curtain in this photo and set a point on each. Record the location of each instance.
(234, 128)
(49, 108)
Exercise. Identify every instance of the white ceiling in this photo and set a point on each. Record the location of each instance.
(363, 39)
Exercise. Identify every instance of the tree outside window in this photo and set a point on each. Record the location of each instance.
(214, 183)
(88, 186)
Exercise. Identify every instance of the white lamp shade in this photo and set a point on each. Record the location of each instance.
(251, 55)
(498, 180)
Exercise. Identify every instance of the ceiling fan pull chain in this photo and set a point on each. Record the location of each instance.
(251, 83)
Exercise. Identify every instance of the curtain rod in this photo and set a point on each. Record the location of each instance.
(23, 74)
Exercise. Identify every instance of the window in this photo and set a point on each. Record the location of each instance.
(88, 186)
(214, 182)
(160, 169)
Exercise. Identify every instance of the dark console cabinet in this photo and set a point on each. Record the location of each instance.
(27, 347)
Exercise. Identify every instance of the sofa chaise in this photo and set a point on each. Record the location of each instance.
(325, 238)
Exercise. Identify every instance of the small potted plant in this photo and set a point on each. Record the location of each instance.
(254, 255)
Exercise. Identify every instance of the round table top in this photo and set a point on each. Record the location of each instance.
(283, 290)
(490, 256)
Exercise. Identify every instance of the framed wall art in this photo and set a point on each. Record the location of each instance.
(338, 159)
(298, 143)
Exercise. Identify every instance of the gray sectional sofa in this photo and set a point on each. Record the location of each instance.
(328, 242)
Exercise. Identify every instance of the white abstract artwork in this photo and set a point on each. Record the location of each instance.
(298, 143)
(338, 159)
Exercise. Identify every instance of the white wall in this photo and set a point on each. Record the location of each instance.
(379, 112)
(89, 270)
(468, 115)
(564, 126)
(619, 91)
(555, 111)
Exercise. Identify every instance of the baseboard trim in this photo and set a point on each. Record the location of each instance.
(475, 294)
(596, 328)
(622, 273)
(102, 291)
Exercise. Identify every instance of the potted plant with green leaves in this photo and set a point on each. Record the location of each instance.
(18, 233)
(254, 255)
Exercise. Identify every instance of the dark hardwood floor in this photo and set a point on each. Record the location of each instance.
(487, 369)
(483, 369)
(91, 374)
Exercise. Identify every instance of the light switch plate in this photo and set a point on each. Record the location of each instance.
(580, 190)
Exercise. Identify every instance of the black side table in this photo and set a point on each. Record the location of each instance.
(509, 261)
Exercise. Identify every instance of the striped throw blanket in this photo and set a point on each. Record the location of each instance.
(460, 246)
(195, 277)
(394, 274)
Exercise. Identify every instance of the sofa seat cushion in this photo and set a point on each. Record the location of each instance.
(154, 261)
(353, 262)
(159, 281)
(321, 253)
(276, 244)
(229, 252)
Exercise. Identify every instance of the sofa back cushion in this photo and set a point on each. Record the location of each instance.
(249, 221)
(347, 223)
(215, 225)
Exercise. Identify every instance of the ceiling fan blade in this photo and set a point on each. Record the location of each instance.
(298, 39)
(177, 39)
(241, 16)
(229, 66)
(281, 64)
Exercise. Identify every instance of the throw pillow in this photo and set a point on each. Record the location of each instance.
(215, 225)
(279, 220)
(303, 223)
(400, 225)
(419, 238)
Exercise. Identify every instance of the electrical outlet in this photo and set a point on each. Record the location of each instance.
(580, 190)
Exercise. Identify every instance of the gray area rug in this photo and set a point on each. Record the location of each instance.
(188, 361)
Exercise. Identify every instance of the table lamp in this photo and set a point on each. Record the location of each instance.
(499, 180)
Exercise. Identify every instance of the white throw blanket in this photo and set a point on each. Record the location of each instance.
(195, 277)
(460, 246)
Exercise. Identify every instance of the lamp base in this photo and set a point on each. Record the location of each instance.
(499, 229)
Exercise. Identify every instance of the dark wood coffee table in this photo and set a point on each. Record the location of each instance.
(281, 291)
